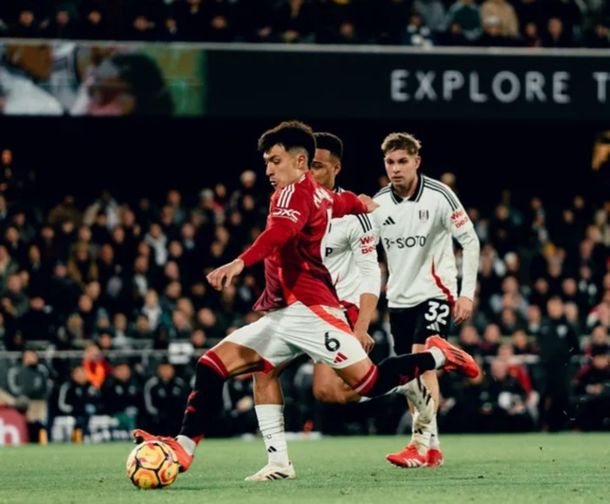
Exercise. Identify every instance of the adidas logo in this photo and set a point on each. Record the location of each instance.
(388, 221)
(339, 358)
(271, 449)
(434, 327)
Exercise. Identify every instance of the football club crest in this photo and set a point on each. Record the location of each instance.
(424, 215)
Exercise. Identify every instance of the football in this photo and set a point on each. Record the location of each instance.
(152, 464)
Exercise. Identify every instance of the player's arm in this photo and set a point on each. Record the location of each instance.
(462, 229)
(347, 203)
(363, 244)
(283, 224)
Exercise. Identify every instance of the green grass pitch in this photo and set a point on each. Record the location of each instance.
(496, 469)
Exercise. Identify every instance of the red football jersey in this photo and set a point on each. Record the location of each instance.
(291, 244)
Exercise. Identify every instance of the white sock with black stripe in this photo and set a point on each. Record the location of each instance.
(271, 424)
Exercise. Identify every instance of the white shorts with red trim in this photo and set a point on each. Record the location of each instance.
(319, 331)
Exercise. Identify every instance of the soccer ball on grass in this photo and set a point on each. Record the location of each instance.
(152, 464)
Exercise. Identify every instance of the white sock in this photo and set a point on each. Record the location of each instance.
(271, 424)
(419, 436)
(187, 443)
(434, 440)
(438, 356)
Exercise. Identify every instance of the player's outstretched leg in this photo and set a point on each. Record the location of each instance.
(205, 401)
(456, 359)
(203, 405)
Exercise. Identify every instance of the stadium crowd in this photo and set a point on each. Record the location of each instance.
(104, 309)
(526, 23)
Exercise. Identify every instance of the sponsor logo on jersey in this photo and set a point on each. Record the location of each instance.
(389, 221)
(459, 218)
(328, 251)
(405, 242)
(286, 213)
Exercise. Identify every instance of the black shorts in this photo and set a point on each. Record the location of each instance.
(413, 325)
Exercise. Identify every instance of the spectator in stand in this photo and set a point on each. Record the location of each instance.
(164, 400)
(492, 337)
(28, 384)
(557, 342)
(95, 366)
(521, 344)
(597, 341)
(220, 23)
(556, 34)
(79, 399)
(504, 13)
(432, 12)
(504, 401)
(416, 33)
(8, 267)
(593, 389)
(27, 24)
(64, 22)
(531, 35)
(122, 396)
(95, 24)
(464, 14)
(600, 313)
(294, 21)
(492, 34)
(470, 340)
(38, 323)
(120, 330)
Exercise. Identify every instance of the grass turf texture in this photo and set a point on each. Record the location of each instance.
(500, 469)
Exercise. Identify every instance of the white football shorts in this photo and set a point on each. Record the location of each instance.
(319, 331)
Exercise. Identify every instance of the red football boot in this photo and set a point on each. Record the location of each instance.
(434, 458)
(456, 359)
(409, 457)
(184, 459)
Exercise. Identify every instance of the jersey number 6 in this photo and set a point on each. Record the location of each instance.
(331, 344)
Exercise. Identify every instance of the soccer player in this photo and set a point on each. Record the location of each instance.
(417, 219)
(350, 255)
(303, 312)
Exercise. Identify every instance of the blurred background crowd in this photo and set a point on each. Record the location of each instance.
(525, 23)
(104, 309)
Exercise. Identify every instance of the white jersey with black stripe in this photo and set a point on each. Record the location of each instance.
(416, 234)
(350, 255)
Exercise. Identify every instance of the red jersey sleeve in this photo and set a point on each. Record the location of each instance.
(346, 203)
(289, 212)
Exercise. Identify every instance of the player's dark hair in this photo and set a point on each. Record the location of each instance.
(290, 135)
(330, 142)
(400, 141)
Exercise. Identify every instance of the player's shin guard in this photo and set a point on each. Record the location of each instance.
(205, 401)
(394, 371)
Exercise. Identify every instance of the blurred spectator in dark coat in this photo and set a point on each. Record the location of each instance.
(28, 382)
(557, 342)
(78, 398)
(164, 400)
(122, 396)
(593, 389)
